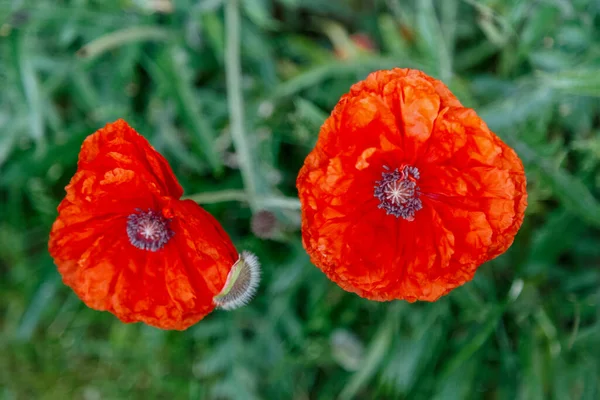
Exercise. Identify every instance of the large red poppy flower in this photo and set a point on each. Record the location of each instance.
(407, 192)
(126, 243)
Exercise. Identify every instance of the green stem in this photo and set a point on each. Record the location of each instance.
(234, 99)
(280, 202)
(218, 197)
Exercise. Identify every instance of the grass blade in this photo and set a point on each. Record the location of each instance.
(374, 357)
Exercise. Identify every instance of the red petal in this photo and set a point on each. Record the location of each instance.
(118, 145)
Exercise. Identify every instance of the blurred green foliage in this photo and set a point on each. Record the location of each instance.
(527, 327)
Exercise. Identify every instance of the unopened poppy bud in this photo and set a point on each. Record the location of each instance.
(241, 283)
(264, 224)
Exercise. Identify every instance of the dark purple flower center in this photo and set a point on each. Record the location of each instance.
(148, 230)
(398, 192)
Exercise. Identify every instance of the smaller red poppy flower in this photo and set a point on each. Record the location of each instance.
(127, 244)
(407, 192)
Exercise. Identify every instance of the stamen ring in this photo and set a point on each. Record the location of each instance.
(398, 192)
(148, 230)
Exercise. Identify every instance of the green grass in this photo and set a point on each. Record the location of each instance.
(236, 127)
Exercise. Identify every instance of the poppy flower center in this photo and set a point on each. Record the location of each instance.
(398, 192)
(148, 230)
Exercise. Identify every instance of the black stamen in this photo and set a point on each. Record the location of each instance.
(148, 230)
(398, 192)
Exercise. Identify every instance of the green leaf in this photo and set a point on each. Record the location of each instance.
(374, 356)
(477, 338)
(38, 304)
(580, 81)
(436, 44)
(172, 71)
(31, 89)
(359, 66)
(391, 37)
(504, 117)
(213, 28)
(531, 386)
(119, 38)
(560, 232)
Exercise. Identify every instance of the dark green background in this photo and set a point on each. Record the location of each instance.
(527, 327)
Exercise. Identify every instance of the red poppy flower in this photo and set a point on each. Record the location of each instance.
(407, 192)
(126, 243)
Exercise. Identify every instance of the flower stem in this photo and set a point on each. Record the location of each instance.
(218, 197)
(235, 102)
(287, 203)
(280, 202)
